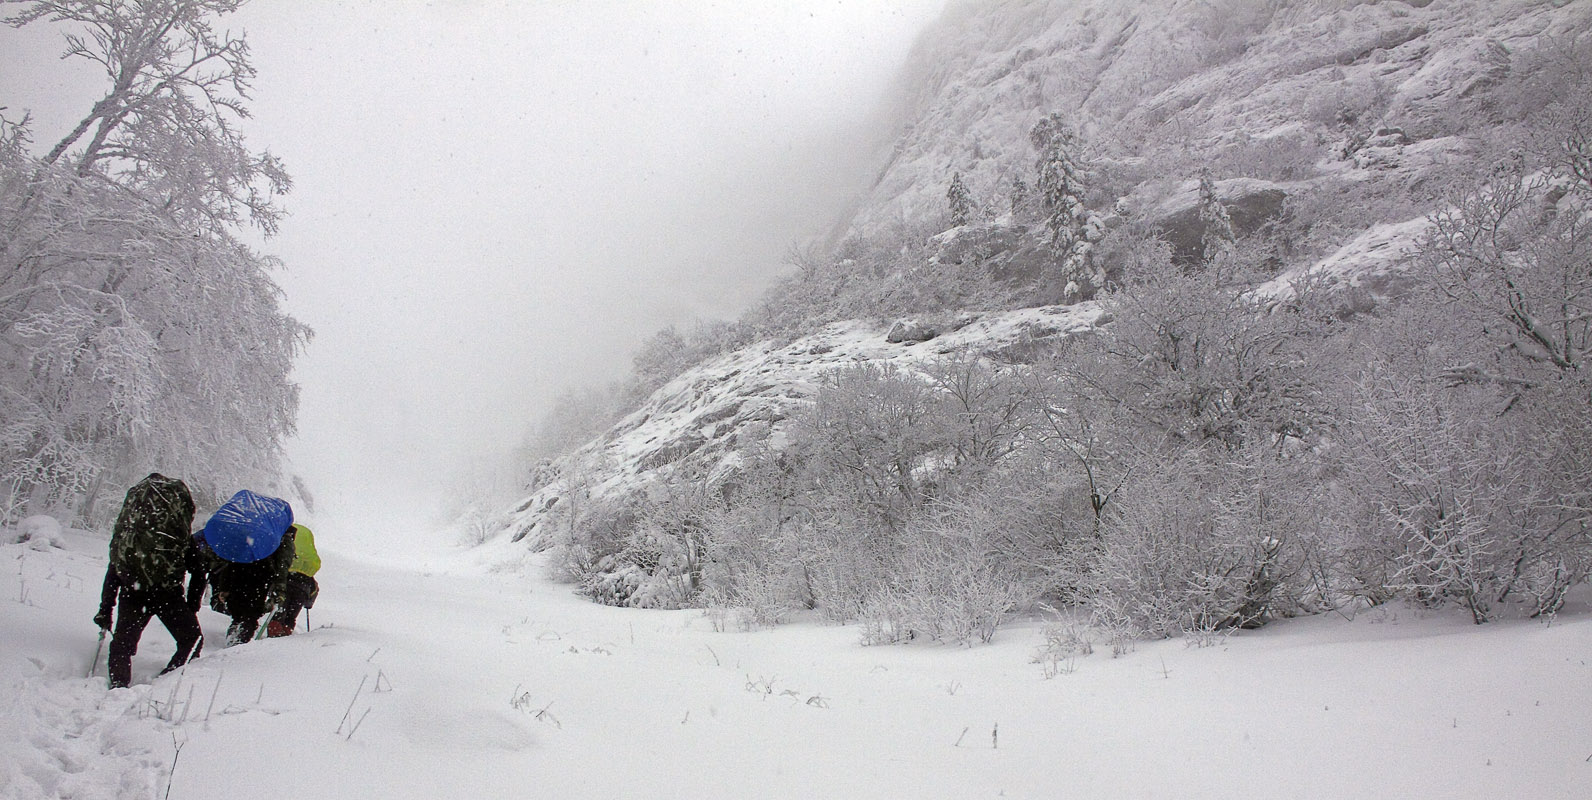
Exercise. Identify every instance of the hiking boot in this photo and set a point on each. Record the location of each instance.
(276, 630)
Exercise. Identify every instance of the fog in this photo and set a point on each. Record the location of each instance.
(495, 201)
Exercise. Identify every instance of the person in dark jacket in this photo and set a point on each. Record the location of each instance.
(150, 552)
(246, 591)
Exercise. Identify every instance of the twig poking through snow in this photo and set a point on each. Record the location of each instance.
(372, 655)
(960, 738)
(762, 686)
(544, 716)
(176, 753)
(356, 725)
(212, 705)
(171, 700)
(187, 705)
(351, 704)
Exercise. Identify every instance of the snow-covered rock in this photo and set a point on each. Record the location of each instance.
(910, 330)
(1375, 262)
(38, 531)
(1250, 203)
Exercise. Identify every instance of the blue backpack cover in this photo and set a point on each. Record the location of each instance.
(248, 527)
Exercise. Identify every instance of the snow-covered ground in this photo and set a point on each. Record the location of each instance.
(442, 677)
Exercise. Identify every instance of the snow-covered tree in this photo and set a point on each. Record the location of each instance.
(1061, 186)
(166, 126)
(960, 201)
(1060, 181)
(1218, 233)
(1019, 195)
(137, 332)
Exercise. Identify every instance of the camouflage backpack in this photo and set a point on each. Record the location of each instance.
(149, 544)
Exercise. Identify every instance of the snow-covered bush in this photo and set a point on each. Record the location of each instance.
(960, 571)
(635, 549)
(1195, 543)
(1465, 491)
(754, 556)
(588, 529)
(915, 501)
(1468, 434)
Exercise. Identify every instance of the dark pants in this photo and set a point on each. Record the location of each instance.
(243, 628)
(301, 592)
(239, 591)
(133, 612)
(245, 608)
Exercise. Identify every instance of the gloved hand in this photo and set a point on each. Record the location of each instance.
(103, 620)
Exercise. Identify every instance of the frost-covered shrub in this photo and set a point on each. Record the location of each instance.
(1191, 358)
(887, 273)
(1467, 434)
(1064, 643)
(1196, 542)
(753, 549)
(1463, 506)
(588, 529)
(916, 501)
(960, 570)
(643, 551)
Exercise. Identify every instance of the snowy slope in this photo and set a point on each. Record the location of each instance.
(693, 425)
(1277, 101)
(466, 682)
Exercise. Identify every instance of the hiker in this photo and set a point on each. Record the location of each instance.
(149, 553)
(301, 586)
(248, 544)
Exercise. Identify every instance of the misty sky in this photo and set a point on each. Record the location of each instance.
(495, 200)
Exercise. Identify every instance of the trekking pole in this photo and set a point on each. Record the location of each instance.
(265, 622)
(94, 665)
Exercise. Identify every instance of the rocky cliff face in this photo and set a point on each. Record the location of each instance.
(1285, 91)
(1344, 110)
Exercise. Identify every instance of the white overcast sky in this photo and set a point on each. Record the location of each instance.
(495, 200)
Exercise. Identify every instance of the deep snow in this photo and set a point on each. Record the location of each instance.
(473, 681)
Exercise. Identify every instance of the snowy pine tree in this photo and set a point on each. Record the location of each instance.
(1061, 187)
(960, 201)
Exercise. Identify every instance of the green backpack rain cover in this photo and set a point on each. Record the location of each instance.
(149, 544)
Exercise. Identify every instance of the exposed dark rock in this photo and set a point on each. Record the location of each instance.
(1013, 254)
(1249, 203)
(722, 413)
(910, 330)
(674, 451)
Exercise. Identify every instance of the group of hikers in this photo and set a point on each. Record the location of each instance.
(252, 556)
